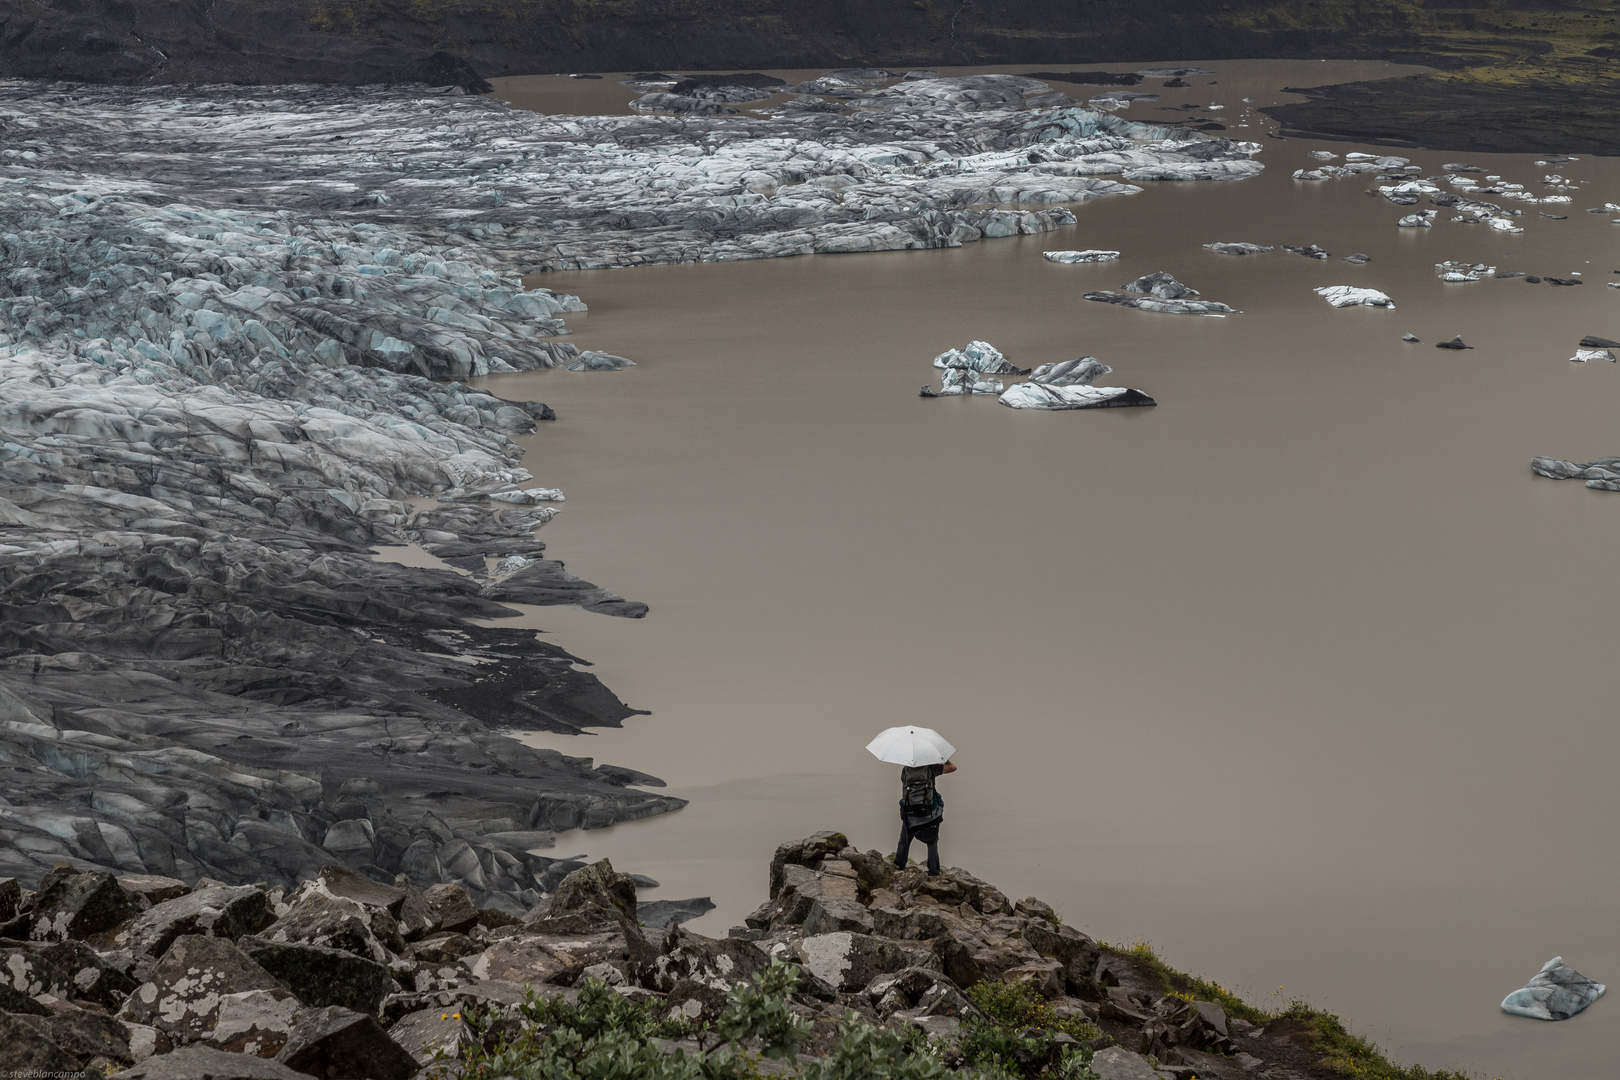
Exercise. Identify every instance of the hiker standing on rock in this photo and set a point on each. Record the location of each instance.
(921, 812)
(923, 756)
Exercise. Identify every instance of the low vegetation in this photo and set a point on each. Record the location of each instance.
(603, 1036)
(1347, 1054)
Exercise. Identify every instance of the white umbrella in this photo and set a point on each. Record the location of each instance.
(911, 746)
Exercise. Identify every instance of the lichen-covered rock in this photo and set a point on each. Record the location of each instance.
(67, 970)
(185, 989)
(315, 916)
(715, 962)
(73, 904)
(851, 961)
(257, 1022)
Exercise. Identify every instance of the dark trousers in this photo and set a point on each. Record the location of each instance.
(928, 833)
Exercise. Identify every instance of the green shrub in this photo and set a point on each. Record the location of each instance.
(1017, 1037)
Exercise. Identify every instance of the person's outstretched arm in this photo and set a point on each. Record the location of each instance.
(950, 766)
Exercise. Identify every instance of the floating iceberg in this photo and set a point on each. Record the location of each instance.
(1240, 248)
(590, 360)
(1164, 294)
(1423, 219)
(959, 381)
(1583, 355)
(1031, 395)
(1351, 296)
(1079, 372)
(1087, 256)
(1557, 992)
(980, 356)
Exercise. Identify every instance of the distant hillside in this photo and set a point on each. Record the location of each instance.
(1521, 49)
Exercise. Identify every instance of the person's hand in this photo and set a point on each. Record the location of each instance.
(950, 766)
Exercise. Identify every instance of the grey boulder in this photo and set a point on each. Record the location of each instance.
(217, 911)
(338, 1042)
(322, 976)
(207, 1063)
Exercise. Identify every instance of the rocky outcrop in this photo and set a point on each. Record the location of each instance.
(892, 947)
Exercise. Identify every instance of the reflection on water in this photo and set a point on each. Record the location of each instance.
(1301, 675)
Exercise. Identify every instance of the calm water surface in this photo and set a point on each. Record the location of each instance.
(1300, 676)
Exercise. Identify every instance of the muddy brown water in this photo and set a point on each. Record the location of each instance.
(1301, 676)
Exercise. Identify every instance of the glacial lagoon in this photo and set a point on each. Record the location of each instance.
(1299, 676)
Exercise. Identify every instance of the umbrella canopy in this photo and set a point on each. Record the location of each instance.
(911, 746)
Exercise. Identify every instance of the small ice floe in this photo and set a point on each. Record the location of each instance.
(1032, 395)
(1407, 192)
(1310, 251)
(590, 360)
(1593, 347)
(1553, 217)
(1079, 372)
(1423, 219)
(1240, 248)
(1454, 343)
(1088, 256)
(1358, 258)
(1172, 72)
(1461, 167)
(1312, 174)
(1412, 338)
(1213, 105)
(1502, 224)
(1322, 155)
(955, 381)
(1351, 296)
(1461, 271)
(1160, 292)
(980, 356)
(1556, 992)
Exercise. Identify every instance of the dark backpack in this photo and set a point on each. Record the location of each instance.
(917, 797)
